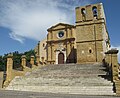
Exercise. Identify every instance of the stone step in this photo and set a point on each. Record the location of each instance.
(61, 82)
(67, 76)
(74, 66)
(71, 69)
(62, 79)
(73, 72)
(62, 89)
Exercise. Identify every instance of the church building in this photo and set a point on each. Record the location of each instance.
(85, 42)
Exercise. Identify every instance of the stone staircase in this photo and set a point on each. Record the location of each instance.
(86, 79)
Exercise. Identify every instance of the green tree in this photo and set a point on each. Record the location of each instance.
(17, 60)
(28, 54)
(2, 64)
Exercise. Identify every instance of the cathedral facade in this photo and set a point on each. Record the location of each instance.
(85, 42)
(61, 44)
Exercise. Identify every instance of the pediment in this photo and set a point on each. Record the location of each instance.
(60, 26)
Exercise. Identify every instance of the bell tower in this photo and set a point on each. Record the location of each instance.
(92, 38)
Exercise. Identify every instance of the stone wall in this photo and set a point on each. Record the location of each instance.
(41, 51)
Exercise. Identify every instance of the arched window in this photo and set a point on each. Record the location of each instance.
(95, 13)
(83, 11)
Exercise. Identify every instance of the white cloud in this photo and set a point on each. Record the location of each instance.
(31, 18)
(118, 48)
(16, 37)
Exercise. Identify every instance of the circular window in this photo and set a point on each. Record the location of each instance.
(60, 34)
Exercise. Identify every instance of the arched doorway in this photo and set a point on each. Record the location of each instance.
(60, 58)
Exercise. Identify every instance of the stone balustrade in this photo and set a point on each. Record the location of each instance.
(11, 73)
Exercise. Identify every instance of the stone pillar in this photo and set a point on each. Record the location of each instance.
(9, 68)
(38, 59)
(115, 66)
(23, 63)
(1, 80)
(32, 60)
(112, 59)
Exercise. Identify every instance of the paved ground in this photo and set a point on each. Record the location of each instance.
(18, 94)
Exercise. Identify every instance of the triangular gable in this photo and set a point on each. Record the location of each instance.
(60, 26)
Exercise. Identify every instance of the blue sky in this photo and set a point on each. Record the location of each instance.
(24, 22)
